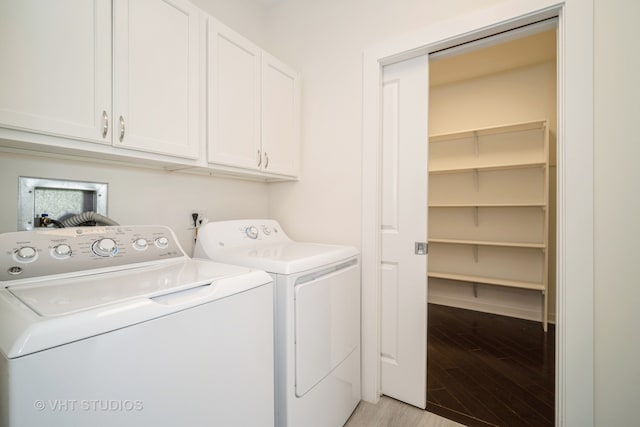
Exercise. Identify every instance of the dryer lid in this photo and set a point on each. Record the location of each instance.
(263, 244)
(285, 258)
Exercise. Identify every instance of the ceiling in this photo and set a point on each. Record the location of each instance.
(522, 52)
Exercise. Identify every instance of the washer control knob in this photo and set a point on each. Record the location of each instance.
(266, 230)
(140, 244)
(15, 270)
(105, 247)
(251, 232)
(26, 254)
(162, 242)
(62, 251)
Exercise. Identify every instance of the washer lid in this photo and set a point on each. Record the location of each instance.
(46, 314)
(65, 296)
(285, 258)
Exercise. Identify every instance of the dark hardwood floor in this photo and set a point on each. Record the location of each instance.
(489, 370)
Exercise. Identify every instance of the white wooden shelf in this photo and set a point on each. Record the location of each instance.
(492, 130)
(489, 167)
(487, 205)
(505, 168)
(488, 280)
(489, 243)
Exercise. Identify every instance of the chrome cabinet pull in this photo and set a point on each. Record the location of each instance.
(121, 128)
(259, 158)
(266, 160)
(105, 124)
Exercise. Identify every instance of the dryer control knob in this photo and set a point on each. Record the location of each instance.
(26, 254)
(105, 247)
(266, 230)
(251, 232)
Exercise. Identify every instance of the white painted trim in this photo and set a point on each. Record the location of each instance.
(371, 220)
(575, 282)
(486, 307)
(575, 217)
(526, 31)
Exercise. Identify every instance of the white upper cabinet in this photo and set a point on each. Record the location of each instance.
(56, 67)
(234, 99)
(254, 108)
(129, 76)
(156, 76)
(57, 77)
(280, 117)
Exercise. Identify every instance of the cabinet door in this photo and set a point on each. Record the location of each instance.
(234, 99)
(56, 67)
(156, 81)
(280, 117)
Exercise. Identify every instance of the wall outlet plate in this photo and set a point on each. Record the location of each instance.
(201, 215)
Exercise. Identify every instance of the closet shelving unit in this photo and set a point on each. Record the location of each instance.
(488, 207)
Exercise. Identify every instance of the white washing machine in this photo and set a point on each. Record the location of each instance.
(116, 326)
(317, 300)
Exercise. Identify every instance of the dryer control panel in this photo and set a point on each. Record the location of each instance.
(265, 230)
(51, 251)
(243, 232)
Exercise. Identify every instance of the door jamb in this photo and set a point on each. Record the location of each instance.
(575, 316)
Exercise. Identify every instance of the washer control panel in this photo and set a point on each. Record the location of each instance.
(47, 251)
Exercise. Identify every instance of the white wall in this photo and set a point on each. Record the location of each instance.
(138, 195)
(325, 41)
(247, 17)
(514, 96)
(617, 213)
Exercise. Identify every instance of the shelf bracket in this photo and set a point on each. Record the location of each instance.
(475, 216)
(475, 290)
(476, 145)
(475, 253)
(476, 180)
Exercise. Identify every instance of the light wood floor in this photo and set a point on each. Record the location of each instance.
(392, 413)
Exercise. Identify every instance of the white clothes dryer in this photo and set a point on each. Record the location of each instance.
(317, 312)
(116, 326)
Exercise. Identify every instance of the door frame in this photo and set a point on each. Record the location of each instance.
(575, 207)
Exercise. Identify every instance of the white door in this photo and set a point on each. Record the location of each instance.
(156, 66)
(403, 294)
(56, 67)
(280, 117)
(234, 98)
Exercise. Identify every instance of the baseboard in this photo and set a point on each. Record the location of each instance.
(452, 415)
(490, 308)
